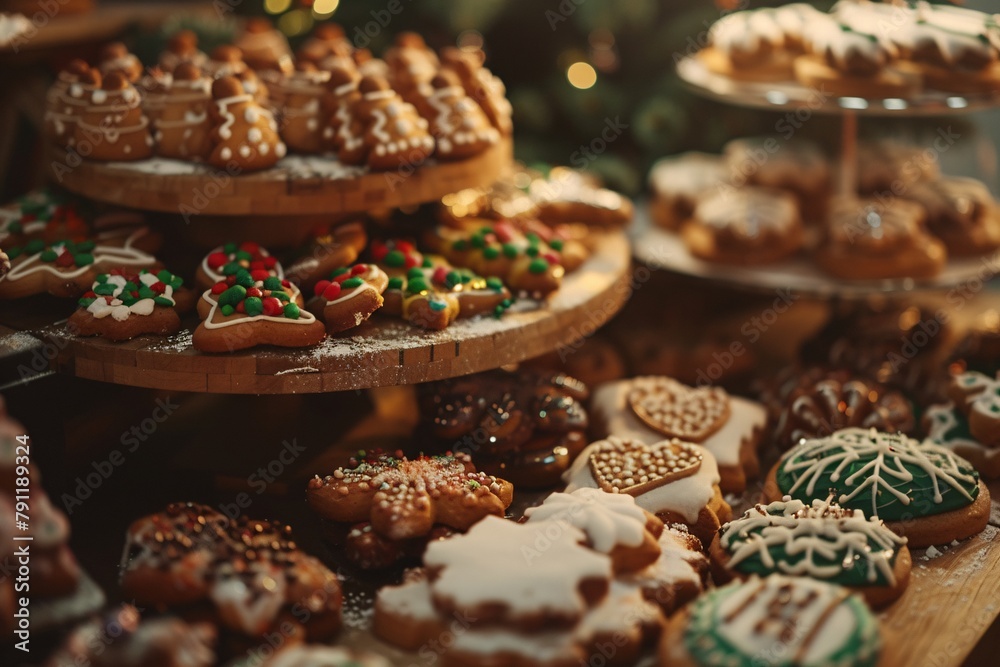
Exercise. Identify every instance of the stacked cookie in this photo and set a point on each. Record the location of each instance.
(860, 48)
(242, 107)
(765, 200)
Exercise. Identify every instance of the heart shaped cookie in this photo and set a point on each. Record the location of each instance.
(679, 411)
(621, 465)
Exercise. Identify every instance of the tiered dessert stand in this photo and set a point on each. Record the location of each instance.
(294, 194)
(951, 599)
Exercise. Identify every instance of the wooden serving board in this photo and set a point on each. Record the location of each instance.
(297, 185)
(384, 351)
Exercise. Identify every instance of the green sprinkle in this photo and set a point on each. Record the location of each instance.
(478, 242)
(243, 256)
(532, 251)
(494, 284)
(85, 246)
(491, 252)
(538, 266)
(229, 248)
(227, 310)
(105, 289)
(395, 259)
(83, 259)
(339, 272)
(231, 269)
(272, 283)
(34, 246)
(85, 303)
(253, 305)
(281, 296)
(416, 286)
(460, 245)
(509, 250)
(102, 278)
(233, 295)
(428, 264)
(395, 283)
(415, 272)
(163, 301)
(49, 255)
(292, 311)
(438, 305)
(351, 283)
(245, 279)
(556, 244)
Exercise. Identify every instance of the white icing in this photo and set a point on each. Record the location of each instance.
(688, 175)
(687, 496)
(608, 520)
(101, 307)
(887, 453)
(210, 322)
(748, 212)
(250, 609)
(746, 32)
(984, 393)
(678, 564)
(822, 530)
(531, 567)
(610, 402)
(104, 256)
(411, 599)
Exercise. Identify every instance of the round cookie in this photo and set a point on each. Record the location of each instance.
(791, 621)
(748, 225)
(922, 491)
(820, 540)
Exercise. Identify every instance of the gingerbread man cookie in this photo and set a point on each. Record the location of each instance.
(349, 297)
(481, 85)
(921, 490)
(459, 126)
(242, 312)
(339, 130)
(299, 96)
(66, 101)
(183, 127)
(122, 304)
(820, 540)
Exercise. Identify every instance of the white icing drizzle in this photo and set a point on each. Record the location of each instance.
(531, 567)
(608, 520)
(104, 255)
(101, 307)
(372, 274)
(679, 563)
(953, 31)
(823, 529)
(687, 496)
(885, 454)
(984, 393)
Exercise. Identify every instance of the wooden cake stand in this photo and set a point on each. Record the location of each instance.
(384, 351)
(297, 185)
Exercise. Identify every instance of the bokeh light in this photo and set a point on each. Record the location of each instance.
(581, 75)
(324, 8)
(276, 6)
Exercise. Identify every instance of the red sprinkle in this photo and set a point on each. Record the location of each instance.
(411, 261)
(217, 259)
(219, 288)
(358, 269)
(272, 306)
(342, 277)
(65, 259)
(552, 258)
(260, 274)
(269, 262)
(331, 291)
(158, 287)
(320, 287)
(440, 275)
(379, 251)
(254, 291)
(404, 247)
(250, 247)
(504, 232)
(240, 308)
(257, 265)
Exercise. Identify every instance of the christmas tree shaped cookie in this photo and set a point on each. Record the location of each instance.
(244, 134)
(113, 123)
(460, 127)
(241, 312)
(123, 304)
(182, 127)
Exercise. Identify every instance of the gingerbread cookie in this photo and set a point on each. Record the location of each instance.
(299, 96)
(524, 262)
(820, 540)
(182, 47)
(947, 426)
(327, 251)
(798, 167)
(182, 128)
(460, 127)
(349, 297)
(66, 101)
(339, 130)
(868, 240)
(678, 182)
(676, 481)
(264, 47)
(115, 58)
(922, 491)
(749, 225)
(749, 46)
(68, 268)
(950, 48)
(244, 134)
(650, 409)
(568, 196)
(412, 67)
(823, 402)
(525, 425)
(886, 167)
(242, 312)
(961, 212)
(433, 297)
(480, 84)
(679, 575)
(405, 498)
(612, 523)
(122, 305)
(113, 122)
(811, 623)
(249, 572)
(384, 131)
(123, 639)
(327, 39)
(230, 258)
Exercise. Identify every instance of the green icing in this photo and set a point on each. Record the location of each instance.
(869, 471)
(706, 640)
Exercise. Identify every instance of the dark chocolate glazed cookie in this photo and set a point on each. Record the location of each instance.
(526, 426)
